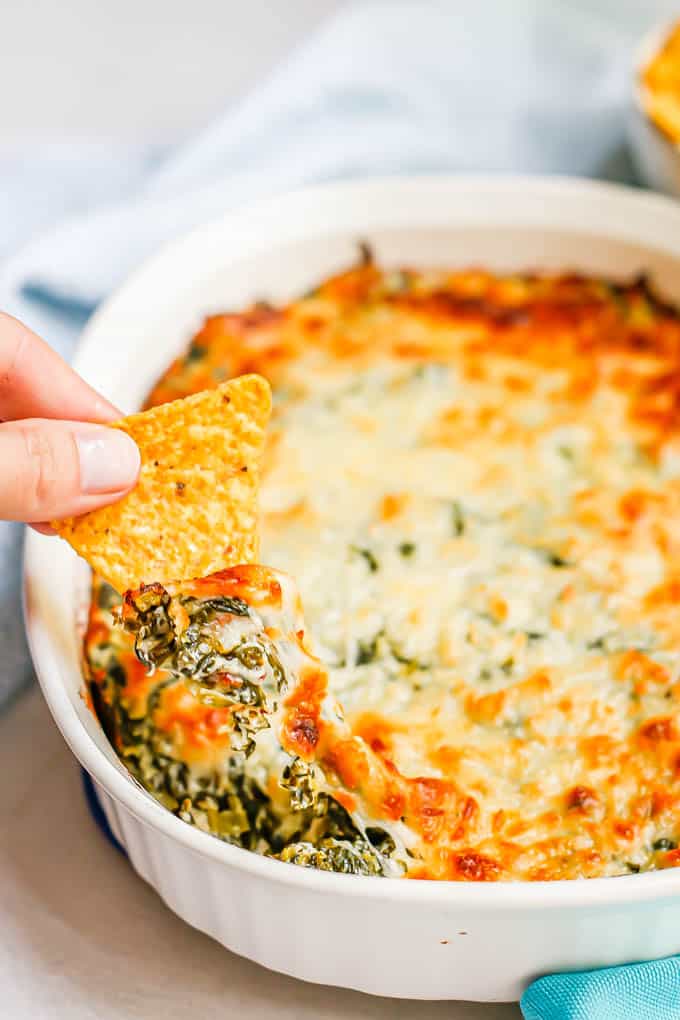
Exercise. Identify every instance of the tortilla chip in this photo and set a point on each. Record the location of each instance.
(194, 509)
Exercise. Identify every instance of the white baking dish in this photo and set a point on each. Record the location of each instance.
(402, 938)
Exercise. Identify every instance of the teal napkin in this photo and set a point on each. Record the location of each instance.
(640, 991)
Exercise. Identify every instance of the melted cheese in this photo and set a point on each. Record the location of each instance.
(475, 483)
(469, 540)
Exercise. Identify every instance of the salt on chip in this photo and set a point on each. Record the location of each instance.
(194, 509)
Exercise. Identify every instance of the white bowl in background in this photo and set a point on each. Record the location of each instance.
(656, 156)
(428, 940)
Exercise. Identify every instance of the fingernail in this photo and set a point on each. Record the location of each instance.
(109, 460)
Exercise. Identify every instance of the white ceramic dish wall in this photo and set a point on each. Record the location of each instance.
(402, 938)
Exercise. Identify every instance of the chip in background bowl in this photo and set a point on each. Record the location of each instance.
(654, 119)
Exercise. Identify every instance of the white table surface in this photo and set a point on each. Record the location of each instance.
(131, 70)
(81, 937)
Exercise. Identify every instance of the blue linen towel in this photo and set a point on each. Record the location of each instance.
(642, 991)
(385, 87)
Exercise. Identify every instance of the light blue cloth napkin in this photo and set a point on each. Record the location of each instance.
(385, 87)
(642, 991)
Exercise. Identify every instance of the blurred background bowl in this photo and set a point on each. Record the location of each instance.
(656, 155)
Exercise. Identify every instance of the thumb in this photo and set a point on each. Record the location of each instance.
(54, 469)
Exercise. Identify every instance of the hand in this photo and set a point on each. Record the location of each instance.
(53, 461)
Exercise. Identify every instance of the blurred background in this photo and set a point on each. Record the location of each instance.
(102, 79)
(137, 70)
(153, 70)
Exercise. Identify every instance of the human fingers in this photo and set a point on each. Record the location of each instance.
(54, 469)
(36, 383)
